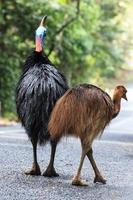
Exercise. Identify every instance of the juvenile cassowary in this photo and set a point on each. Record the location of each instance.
(84, 112)
(39, 87)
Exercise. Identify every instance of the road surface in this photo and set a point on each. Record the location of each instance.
(113, 153)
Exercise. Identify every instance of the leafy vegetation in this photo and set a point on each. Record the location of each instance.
(85, 39)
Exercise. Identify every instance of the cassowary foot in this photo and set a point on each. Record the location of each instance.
(78, 182)
(99, 179)
(35, 171)
(50, 172)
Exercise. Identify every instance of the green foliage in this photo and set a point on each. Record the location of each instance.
(87, 49)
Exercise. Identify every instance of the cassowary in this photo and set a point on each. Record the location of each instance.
(39, 87)
(84, 112)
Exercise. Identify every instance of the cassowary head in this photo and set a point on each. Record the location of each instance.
(40, 35)
(120, 92)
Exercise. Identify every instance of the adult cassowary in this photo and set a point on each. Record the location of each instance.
(39, 87)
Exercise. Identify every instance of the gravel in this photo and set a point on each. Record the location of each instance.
(115, 159)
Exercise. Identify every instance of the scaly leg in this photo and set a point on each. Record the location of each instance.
(77, 180)
(35, 168)
(50, 171)
(98, 176)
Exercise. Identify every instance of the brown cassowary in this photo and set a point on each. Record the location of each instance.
(84, 112)
(39, 87)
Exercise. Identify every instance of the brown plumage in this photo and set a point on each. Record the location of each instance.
(84, 112)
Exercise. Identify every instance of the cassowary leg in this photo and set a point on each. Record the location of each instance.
(35, 168)
(98, 176)
(77, 180)
(50, 171)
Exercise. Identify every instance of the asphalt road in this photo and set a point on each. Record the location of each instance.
(113, 153)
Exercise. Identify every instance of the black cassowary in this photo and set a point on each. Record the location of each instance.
(39, 87)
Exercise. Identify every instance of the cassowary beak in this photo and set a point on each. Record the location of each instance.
(125, 97)
(43, 21)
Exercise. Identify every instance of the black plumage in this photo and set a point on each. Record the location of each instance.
(39, 87)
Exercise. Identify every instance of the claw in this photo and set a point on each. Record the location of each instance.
(99, 179)
(35, 171)
(50, 172)
(78, 182)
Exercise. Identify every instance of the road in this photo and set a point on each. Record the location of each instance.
(113, 153)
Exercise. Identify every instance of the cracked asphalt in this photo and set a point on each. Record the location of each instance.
(113, 154)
